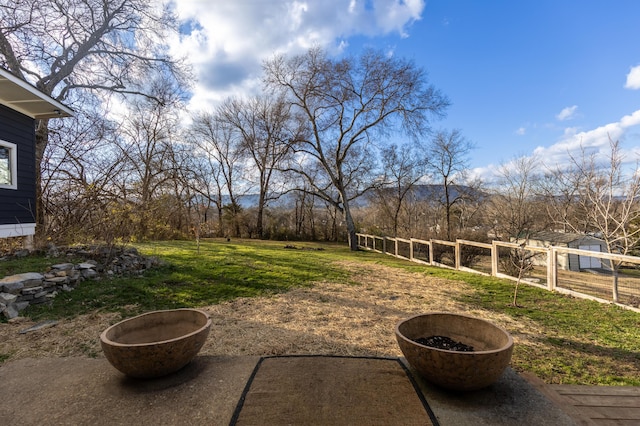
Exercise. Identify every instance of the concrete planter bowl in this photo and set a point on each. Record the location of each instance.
(156, 343)
(461, 371)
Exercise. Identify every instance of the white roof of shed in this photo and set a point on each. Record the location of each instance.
(561, 237)
(26, 99)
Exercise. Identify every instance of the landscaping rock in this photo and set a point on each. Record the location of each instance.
(7, 298)
(40, 294)
(11, 287)
(55, 281)
(21, 306)
(20, 281)
(10, 312)
(63, 266)
(89, 273)
(18, 291)
(86, 265)
(32, 290)
(39, 326)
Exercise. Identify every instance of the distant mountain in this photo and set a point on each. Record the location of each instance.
(433, 193)
(248, 201)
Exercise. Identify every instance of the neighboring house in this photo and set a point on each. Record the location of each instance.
(570, 262)
(20, 106)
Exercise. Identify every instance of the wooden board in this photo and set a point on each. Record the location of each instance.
(601, 405)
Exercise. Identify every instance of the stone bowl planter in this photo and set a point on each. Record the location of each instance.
(461, 371)
(156, 343)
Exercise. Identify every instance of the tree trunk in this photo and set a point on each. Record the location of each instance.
(42, 138)
(260, 220)
(351, 227)
(448, 209)
(221, 230)
(396, 219)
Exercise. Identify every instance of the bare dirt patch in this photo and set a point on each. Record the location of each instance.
(328, 318)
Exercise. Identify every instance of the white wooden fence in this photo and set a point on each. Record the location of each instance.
(484, 258)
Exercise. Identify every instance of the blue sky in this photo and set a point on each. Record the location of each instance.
(523, 77)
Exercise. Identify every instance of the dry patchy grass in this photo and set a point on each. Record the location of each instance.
(327, 318)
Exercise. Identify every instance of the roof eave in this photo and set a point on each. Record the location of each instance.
(20, 96)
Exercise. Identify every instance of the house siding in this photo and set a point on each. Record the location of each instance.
(18, 206)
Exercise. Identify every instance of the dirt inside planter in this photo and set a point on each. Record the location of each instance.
(444, 342)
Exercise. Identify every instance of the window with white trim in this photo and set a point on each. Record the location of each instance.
(8, 168)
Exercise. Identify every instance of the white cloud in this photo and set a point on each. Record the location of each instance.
(521, 131)
(633, 78)
(596, 140)
(570, 131)
(395, 15)
(227, 41)
(573, 142)
(567, 113)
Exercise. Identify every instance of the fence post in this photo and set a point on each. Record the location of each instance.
(552, 269)
(411, 249)
(494, 259)
(431, 252)
(456, 255)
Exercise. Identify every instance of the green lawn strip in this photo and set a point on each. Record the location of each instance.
(192, 278)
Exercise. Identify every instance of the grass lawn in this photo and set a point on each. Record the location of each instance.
(190, 277)
(580, 341)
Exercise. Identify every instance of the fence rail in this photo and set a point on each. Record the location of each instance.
(601, 284)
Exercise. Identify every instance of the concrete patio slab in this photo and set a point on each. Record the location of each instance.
(510, 401)
(83, 391)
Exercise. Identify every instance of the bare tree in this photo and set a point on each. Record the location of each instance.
(305, 218)
(523, 261)
(403, 167)
(609, 198)
(217, 141)
(207, 183)
(560, 189)
(348, 105)
(512, 209)
(78, 180)
(267, 130)
(148, 148)
(448, 157)
(70, 47)
(515, 211)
